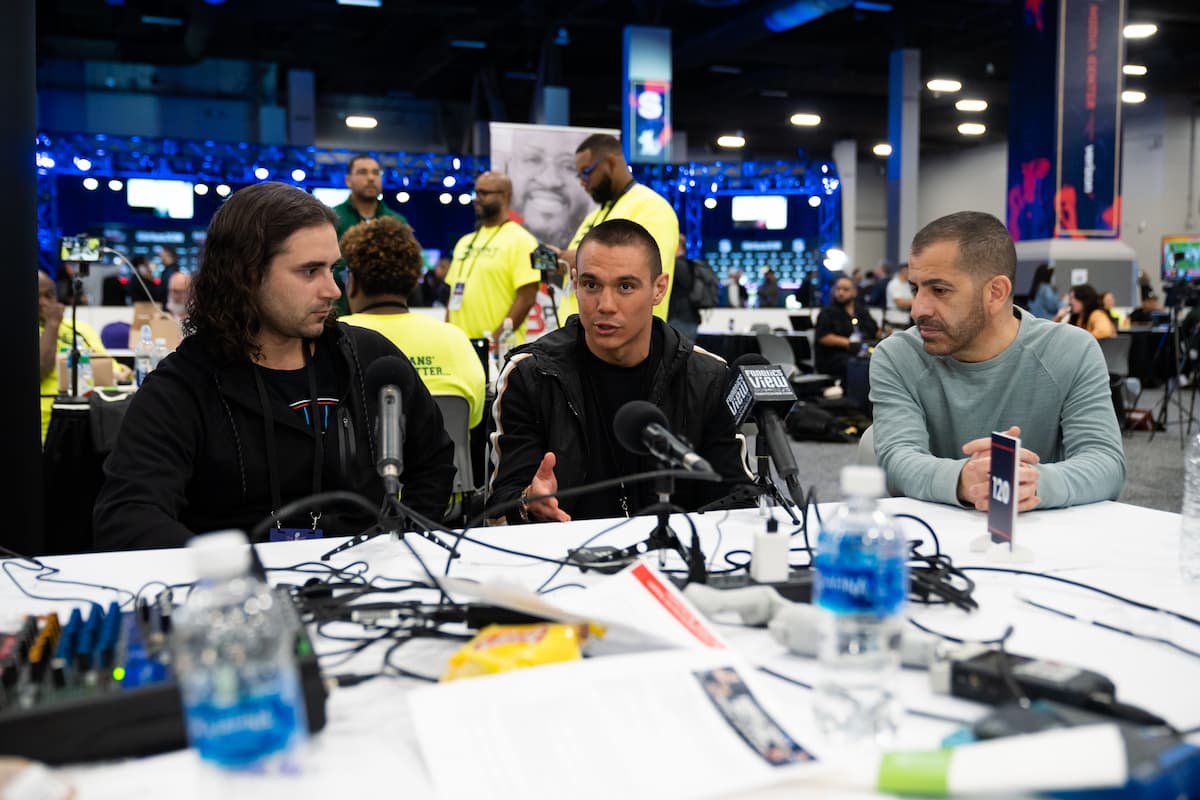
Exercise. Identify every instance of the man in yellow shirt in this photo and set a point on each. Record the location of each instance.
(383, 261)
(601, 168)
(491, 276)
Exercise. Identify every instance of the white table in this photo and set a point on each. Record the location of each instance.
(368, 744)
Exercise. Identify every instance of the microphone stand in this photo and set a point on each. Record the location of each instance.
(661, 538)
(393, 518)
(73, 355)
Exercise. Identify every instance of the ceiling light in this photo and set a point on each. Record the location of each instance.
(883, 149)
(402, 197)
(1133, 96)
(200, 189)
(710, 202)
(805, 120)
(1134, 69)
(972, 128)
(262, 173)
(361, 3)
(82, 164)
(464, 199)
(449, 181)
(445, 198)
(298, 175)
(1140, 30)
(943, 85)
(361, 122)
(115, 185)
(91, 184)
(971, 105)
(731, 140)
(223, 189)
(814, 201)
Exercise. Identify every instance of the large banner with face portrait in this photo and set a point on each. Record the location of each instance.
(540, 159)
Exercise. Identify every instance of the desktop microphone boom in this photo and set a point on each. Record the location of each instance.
(641, 428)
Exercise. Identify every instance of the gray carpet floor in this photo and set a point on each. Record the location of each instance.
(1154, 460)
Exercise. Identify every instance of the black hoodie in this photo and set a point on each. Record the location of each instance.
(191, 456)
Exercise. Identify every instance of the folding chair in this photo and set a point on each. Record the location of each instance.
(456, 417)
(1126, 390)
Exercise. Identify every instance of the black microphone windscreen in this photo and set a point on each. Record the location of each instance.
(631, 419)
(387, 371)
(749, 360)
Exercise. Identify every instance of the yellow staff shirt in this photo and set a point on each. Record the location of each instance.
(492, 264)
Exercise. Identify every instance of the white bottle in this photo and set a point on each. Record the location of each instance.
(236, 664)
(1189, 535)
(143, 355)
(159, 353)
(860, 587)
(505, 342)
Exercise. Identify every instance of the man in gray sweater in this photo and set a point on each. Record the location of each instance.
(974, 363)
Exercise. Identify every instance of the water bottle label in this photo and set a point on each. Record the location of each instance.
(865, 585)
(241, 734)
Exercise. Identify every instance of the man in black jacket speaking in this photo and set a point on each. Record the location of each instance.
(264, 402)
(556, 398)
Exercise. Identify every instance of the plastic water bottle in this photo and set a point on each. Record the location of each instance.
(236, 664)
(159, 352)
(860, 586)
(143, 355)
(1189, 536)
(87, 378)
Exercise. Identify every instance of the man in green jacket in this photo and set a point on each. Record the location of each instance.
(364, 179)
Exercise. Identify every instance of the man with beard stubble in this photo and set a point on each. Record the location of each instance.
(491, 277)
(603, 171)
(974, 363)
(546, 195)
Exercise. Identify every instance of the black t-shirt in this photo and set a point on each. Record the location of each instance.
(605, 389)
(291, 388)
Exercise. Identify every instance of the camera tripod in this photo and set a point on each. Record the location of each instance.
(1185, 364)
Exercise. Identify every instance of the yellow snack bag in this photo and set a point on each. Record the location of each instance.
(500, 648)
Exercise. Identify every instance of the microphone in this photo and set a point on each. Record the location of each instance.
(759, 388)
(384, 377)
(641, 428)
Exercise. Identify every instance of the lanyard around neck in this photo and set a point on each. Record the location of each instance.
(471, 249)
(269, 432)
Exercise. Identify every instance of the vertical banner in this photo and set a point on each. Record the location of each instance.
(646, 85)
(1031, 138)
(1064, 145)
(1090, 53)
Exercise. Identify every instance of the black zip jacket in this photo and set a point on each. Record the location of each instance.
(191, 455)
(540, 407)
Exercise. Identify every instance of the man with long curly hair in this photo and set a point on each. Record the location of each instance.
(264, 404)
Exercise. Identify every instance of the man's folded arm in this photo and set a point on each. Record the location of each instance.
(902, 439)
(1093, 467)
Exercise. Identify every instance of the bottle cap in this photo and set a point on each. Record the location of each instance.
(220, 554)
(863, 481)
(146, 333)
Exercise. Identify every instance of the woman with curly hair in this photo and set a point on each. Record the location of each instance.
(1088, 312)
(383, 264)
